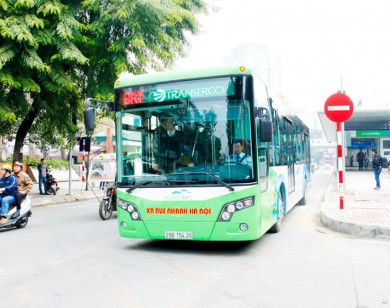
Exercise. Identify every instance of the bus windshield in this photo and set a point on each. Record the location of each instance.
(195, 132)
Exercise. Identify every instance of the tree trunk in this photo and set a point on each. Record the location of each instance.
(63, 154)
(22, 132)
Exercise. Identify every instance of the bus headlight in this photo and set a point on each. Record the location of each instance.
(225, 216)
(243, 227)
(229, 209)
(239, 205)
(130, 208)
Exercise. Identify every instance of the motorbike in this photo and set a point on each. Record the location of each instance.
(108, 203)
(52, 185)
(21, 220)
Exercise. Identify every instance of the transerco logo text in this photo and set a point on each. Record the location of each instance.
(161, 95)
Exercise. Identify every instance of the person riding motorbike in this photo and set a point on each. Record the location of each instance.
(8, 189)
(25, 185)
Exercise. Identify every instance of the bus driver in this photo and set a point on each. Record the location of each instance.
(239, 156)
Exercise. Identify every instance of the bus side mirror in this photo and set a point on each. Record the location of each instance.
(89, 119)
(265, 127)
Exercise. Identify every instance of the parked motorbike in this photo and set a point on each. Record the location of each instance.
(52, 185)
(108, 203)
(21, 220)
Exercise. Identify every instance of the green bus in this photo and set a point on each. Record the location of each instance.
(206, 155)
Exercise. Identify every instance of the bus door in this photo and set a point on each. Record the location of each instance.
(290, 155)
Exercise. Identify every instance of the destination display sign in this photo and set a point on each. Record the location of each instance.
(177, 91)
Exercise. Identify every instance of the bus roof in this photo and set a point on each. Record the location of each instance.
(167, 76)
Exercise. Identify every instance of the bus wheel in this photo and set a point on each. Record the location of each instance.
(276, 227)
(304, 198)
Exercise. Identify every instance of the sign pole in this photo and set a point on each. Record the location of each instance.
(340, 163)
(339, 108)
(83, 168)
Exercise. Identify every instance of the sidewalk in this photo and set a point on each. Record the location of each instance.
(366, 211)
(63, 196)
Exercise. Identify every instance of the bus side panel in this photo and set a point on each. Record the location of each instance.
(269, 210)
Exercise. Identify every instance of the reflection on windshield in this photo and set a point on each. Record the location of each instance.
(187, 143)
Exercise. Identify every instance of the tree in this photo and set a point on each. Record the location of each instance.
(38, 61)
(53, 54)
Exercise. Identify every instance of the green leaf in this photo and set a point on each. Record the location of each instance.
(50, 8)
(70, 52)
(6, 54)
(64, 31)
(34, 22)
(29, 85)
(9, 80)
(33, 61)
(4, 5)
(19, 4)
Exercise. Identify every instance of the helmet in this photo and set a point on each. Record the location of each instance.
(6, 167)
(17, 163)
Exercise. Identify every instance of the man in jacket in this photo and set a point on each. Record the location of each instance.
(377, 166)
(42, 172)
(360, 157)
(8, 189)
(25, 185)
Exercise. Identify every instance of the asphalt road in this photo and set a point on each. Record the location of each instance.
(68, 257)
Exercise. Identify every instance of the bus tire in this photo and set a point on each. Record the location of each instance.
(303, 201)
(277, 225)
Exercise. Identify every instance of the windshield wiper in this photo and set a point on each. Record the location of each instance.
(166, 182)
(219, 181)
(138, 185)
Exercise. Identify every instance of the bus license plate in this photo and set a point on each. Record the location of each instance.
(178, 235)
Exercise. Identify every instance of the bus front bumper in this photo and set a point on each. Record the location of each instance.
(198, 231)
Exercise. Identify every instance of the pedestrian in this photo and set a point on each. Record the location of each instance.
(351, 161)
(360, 157)
(8, 189)
(42, 173)
(377, 166)
(25, 185)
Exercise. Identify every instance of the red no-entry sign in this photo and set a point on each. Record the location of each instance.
(338, 107)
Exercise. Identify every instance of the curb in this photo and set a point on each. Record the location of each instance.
(352, 228)
(37, 202)
(337, 224)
